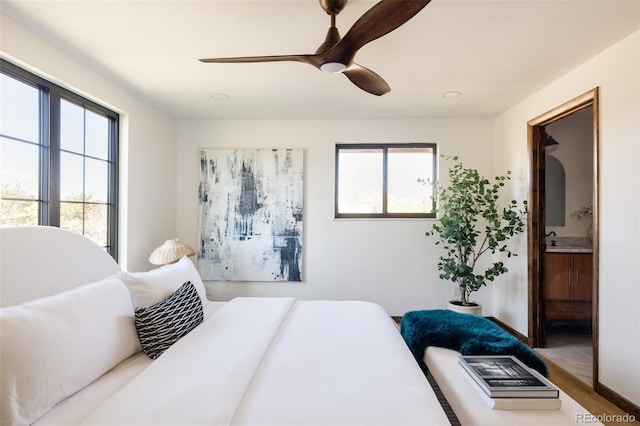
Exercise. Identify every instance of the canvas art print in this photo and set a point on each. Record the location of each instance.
(251, 214)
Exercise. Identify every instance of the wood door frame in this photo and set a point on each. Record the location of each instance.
(536, 222)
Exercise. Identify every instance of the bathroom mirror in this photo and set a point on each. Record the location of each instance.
(554, 191)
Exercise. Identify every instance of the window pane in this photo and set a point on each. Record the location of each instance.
(71, 127)
(409, 185)
(360, 181)
(96, 222)
(20, 169)
(97, 135)
(97, 181)
(19, 212)
(88, 219)
(72, 217)
(71, 177)
(19, 109)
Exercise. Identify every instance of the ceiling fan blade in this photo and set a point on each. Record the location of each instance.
(381, 19)
(367, 80)
(315, 60)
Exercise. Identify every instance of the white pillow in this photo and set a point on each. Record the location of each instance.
(52, 347)
(149, 288)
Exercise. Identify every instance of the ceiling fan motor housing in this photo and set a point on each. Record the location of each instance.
(333, 7)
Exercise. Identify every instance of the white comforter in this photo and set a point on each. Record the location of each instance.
(276, 361)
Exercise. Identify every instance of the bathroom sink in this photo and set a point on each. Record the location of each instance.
(568, 249)
(568, 245)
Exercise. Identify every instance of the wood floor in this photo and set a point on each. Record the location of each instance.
(584, 394)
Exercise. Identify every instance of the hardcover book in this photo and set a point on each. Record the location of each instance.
(515, 403)
(504, 376)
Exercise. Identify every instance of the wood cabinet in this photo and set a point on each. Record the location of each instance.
(568, 285)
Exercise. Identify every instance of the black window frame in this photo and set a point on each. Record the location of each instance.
(384, 147)
(51, 96)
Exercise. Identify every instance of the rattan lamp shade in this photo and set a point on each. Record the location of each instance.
(171, 251)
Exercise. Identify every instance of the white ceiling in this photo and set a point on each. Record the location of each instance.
(496, 53)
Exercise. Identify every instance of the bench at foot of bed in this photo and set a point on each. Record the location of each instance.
(471, 409)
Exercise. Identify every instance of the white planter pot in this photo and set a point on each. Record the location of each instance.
(475, 309)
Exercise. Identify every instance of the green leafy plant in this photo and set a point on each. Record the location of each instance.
(472, 224)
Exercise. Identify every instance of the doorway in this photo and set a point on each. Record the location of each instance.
(547, 309)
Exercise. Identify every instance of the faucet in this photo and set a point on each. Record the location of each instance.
(552, 233)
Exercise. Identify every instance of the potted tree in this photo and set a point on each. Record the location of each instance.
(473, 223)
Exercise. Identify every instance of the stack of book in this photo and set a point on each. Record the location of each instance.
(505, 383)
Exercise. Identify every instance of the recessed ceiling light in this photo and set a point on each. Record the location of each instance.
(219, 97)
(451, 94)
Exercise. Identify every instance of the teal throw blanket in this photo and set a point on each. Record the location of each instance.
(467, 334)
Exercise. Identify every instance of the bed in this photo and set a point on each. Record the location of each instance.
(71, 353)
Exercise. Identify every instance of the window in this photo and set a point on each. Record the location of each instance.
(385, 180)
(58, 157)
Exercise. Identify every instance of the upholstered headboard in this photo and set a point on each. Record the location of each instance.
(39, 261)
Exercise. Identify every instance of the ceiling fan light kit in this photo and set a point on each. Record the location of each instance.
(335, 55)
(332, 67)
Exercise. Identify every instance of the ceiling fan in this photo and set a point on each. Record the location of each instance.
(336, 54)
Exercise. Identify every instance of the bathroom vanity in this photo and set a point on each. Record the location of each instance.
(568, 282)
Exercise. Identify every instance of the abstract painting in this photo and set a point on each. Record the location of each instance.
(251, 214)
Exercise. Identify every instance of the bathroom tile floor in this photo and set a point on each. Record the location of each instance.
(572, 352)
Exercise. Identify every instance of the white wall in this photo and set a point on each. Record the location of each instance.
(617, 72)
(389, 262)
(147, 141)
